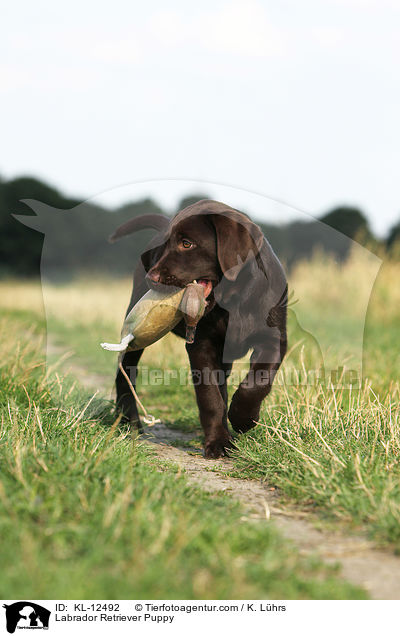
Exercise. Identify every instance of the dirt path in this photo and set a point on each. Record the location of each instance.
(377, 571)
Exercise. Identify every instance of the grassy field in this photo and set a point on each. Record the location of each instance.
(86, 514)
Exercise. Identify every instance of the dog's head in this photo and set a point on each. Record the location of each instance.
(207, 242)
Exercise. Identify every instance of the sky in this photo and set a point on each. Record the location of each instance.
(296, 101)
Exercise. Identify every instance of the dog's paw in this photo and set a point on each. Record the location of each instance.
(213, 449)
(242, 421)
(134, 425)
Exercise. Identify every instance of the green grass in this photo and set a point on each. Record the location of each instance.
(335, 452)
(87, 512)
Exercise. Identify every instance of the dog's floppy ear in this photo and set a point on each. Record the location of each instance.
(238, 239)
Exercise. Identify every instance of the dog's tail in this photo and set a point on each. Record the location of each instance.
(155, 221)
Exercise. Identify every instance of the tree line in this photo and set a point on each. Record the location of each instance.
(73, 234)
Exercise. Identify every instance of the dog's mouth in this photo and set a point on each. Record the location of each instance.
(207, 284)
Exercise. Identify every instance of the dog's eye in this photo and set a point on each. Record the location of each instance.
(186, 244)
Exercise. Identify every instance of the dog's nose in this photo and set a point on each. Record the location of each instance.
(154, 276)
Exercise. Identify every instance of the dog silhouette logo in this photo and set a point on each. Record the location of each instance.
(26, 615)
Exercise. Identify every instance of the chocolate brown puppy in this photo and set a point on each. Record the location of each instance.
(246, 293)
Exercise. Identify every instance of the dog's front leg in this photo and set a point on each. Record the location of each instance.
(208, 375)
(126, 403)
(265, 361)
